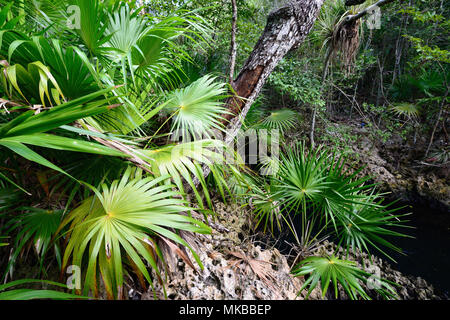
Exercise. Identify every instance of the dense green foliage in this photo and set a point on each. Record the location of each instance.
(111, 81)
(106, 129)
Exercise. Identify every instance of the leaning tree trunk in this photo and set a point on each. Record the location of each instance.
(286, 29)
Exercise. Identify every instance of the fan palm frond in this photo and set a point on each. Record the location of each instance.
(301, 177)
(197, 109)
(122, 221)
(369, 224)
(7, 291)
(125, 29)
(270, 166)
(331, 270)
(406, 109)
(183, 162)
(36, 227)
(67, 69)
(282, 120)
(318, 185)
(343, 189)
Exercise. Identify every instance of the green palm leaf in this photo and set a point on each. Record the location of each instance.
(2, 244)
(92, 25)
(331, 270)
(197, 109)
(29, 128)
(36, 82)
(406, 109)
(8, 293)
(35, 226)
(121, 221)
(282, 120)
(367, 225)
(301, 177)
(183, 162)
(6, 22)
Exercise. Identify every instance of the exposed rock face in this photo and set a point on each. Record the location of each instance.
(235, 267)
(391, 166)
(376, 166)
(432, 187)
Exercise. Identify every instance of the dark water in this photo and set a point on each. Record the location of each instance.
(428, 254)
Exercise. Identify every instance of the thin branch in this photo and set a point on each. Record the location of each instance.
(369, 9)
(233, 48)
(438, 120)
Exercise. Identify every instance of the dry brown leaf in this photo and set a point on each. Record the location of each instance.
(183, 255)
(259, 267)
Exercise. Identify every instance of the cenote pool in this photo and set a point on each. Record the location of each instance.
(428, 253)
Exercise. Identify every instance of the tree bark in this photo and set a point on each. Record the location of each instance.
(286, 30)
(233, 49)
(366, 11)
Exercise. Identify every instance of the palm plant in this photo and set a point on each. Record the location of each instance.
(182, 163)
(124, 220)
(409, 110)
(36, 228)
(281, 120)
(331, 270)
(315, 185)
(7, 291)
(321, 188)
(112, 81)
(302, 179)
(139, 49)
(344, 189)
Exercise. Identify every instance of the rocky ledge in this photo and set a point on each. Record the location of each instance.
(236, 267)
(395, 171)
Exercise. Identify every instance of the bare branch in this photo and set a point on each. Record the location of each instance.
(233, 49)
(369, 9)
